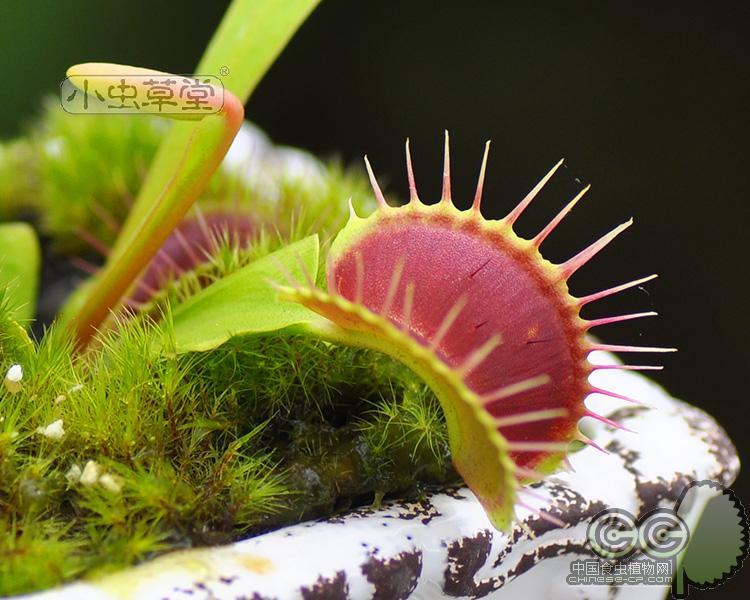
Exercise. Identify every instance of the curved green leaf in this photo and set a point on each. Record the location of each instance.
(246, 301)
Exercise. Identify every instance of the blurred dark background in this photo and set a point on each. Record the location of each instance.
(647, 101)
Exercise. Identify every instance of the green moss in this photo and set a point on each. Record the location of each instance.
(198, 449)
(80, 173)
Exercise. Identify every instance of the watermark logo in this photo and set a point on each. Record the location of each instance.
(615, 533)
(660, 549)
(143, 94)
(631, 551)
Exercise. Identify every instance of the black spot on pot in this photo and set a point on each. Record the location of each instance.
(629, 457)
(528, 561)
(653, 493)
(571, 515)
(465, 557)
(567, 505)
(455, 493)
(394, 578)
(335, 588)
(424, 511)
(206, 593)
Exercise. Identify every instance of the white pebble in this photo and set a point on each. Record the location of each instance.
(53, 431)
(91, 472)
(15, 373)
(13, 379)
(111, 483)
(74, 474)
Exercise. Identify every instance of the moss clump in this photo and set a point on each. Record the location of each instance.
(78, 173)
(198, 449)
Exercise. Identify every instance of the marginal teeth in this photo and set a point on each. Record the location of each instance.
(352, 212)
(607, 421)
(513, 215)
(374, 183)
(617, 348)
(550, 227)
(476, 205)
(442, 334)
(408, 304)
(479, 355)
(446, 195)
(413, 196)
(541, 514)
(589, 442)
(573, 264)
(614, 290)
(630, 367)
(618, 319)
(596, 390)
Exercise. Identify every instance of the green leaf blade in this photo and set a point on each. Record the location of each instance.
(20, 260)
(246, 302)
(250, 37)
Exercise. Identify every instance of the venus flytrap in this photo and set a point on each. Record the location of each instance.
(503, 348)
